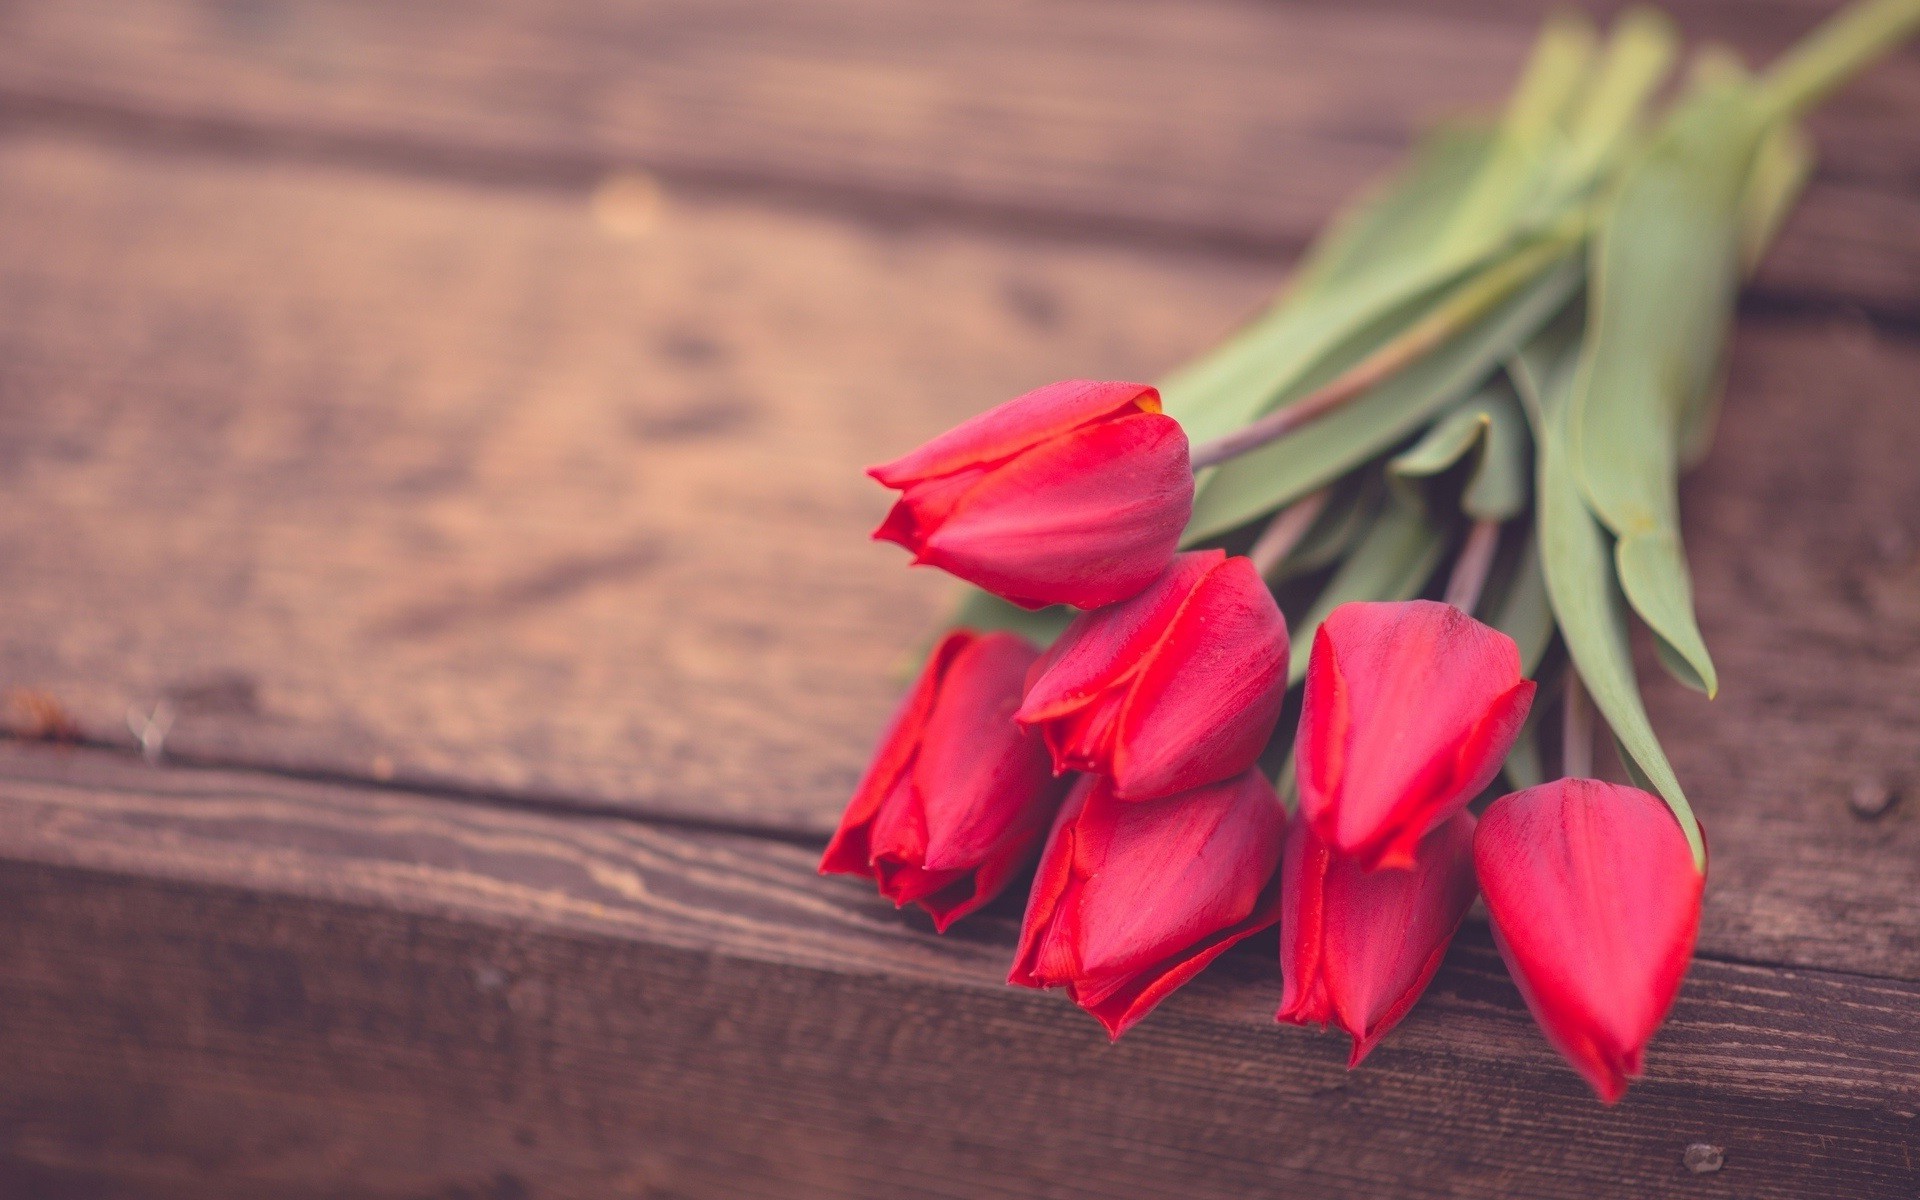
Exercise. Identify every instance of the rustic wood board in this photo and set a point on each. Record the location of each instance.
(220, 984)
(1217, 123)
(382, 478)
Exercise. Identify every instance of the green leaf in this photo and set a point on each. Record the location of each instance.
(1499, 487)
(1523, 611)
(1322, 451)
(1525, 766)
(1635, 775)
(1275, 361)
(986, 612)
(1638, 55)
(1530, 136)
(1395, 221)
(1491, 428)
(1363, 282)
(1392, 562)
(1349, 513)
(1445, 443)
(1665, 268)
(1586, 598)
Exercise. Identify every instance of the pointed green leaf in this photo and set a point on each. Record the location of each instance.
(1639, 52)
(1581, 586)
(1445, 443)
(1491, 429)
(1499, 487)
(1635, 775)
(1665, 266)
(1322, 451)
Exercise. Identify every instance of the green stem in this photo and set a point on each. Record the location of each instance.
(1448, 318)
(1835, 53)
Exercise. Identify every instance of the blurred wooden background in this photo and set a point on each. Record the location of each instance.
(434, 430)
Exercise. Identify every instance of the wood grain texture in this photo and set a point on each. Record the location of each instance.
(406, 481)
(1220, 123)
(232, 985)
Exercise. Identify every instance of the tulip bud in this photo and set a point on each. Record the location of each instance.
(958, 796)
(1595, 902)
(1072, 494)
(1133, 899)
(1357, 947)
(1410, 708)
(1178, 687)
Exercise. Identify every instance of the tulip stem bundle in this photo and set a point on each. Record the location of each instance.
(1470, 569)
(1283, 534)
(1504, 359)
(1576, 729)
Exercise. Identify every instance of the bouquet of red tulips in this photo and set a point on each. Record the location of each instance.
(1480, 388)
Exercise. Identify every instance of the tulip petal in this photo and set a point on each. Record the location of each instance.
(1209, 694)
(923, 505)
(1358, 947)
(1019, 424)
(957, 796)
(1042, 957)
(1595, 904)
(1164, 874)
(1387, 931)
(1088, 518)
(982, 765)
(1103, 647)
(850, 851)
(1303, 983)
(1133, 899)
(1415, 707)
(1119, 1009)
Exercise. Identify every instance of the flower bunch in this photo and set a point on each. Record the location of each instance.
(1501, 361)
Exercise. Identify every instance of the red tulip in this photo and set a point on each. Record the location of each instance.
(1178, 687)
(1357, 947)
(1072, 494)
(958, 796)
(1595, 902)
(1410, 709)
(1134, 899)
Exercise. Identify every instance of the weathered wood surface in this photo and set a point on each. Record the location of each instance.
(1219, 122)
(342, 420)
(221, 984)
(385, 478)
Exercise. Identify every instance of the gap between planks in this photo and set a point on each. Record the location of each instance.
(111, 770)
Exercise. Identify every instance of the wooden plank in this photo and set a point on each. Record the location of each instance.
(396, 481)
(1219, 123)
(228, 985)
(402, 481)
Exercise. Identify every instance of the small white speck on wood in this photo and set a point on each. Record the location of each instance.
(1703, 1159)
